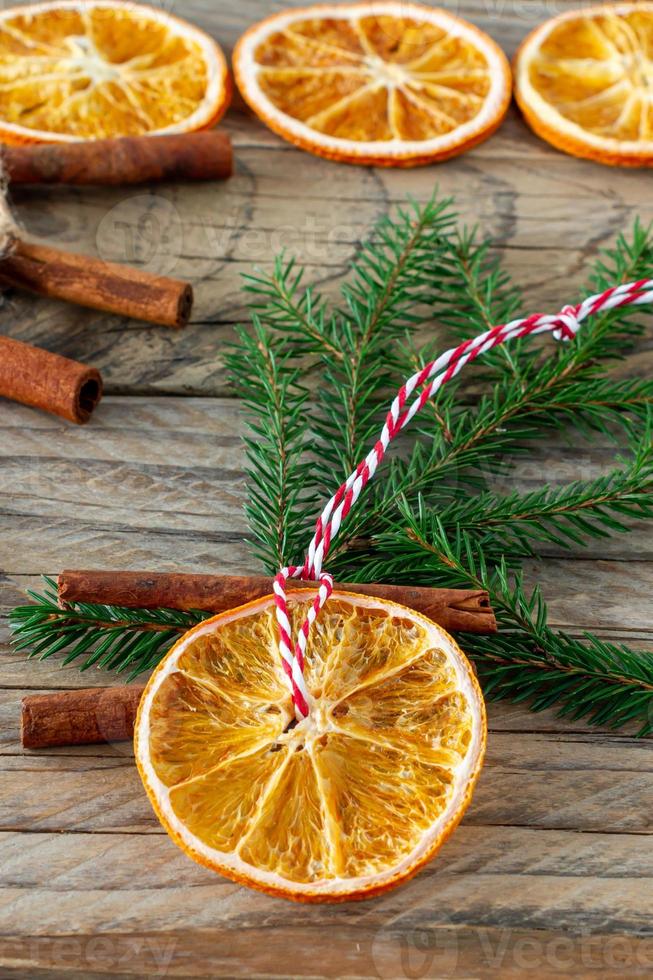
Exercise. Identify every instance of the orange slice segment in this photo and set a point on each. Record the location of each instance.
(584, 82)
(87, 69)
(348, 802)
(384, 82)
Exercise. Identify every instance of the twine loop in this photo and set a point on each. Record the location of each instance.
(292, 655)
(568, 323)
(409, 400)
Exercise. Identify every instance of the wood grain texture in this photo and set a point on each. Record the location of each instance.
(597, 784)
(538, 214)
(496, 887)
(550, 874)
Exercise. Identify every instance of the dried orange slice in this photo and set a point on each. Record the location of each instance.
(584, 82)
(386, 82)
(86, 69)
(344, 804)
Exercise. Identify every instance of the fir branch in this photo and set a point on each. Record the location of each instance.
(108, 637)
(489, 438)
(355, 349)
(389, 276)
(484, 296)
(610, 335)
(474, 294)
(537, 394)
(604, 683)
(513, 524)
(418, 257)
(278, 493)
(420, 523)
(282, 303)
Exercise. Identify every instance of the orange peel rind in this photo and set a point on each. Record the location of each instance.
(342, 805)
(88, 69)
(584, 79)
(385, 82)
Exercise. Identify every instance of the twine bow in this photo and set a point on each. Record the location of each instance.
(409, 400)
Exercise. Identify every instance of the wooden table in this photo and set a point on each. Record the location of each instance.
(550, 873)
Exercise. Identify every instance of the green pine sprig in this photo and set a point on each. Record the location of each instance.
(353, 352)
(517, 524)
(275, 400)
(128, 641)
(535, 391)
(527, 661)
(315, 380)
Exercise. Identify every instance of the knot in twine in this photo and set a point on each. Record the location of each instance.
(568, 323)
(409, 400)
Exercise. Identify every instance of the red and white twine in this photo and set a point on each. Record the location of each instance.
(423, 385)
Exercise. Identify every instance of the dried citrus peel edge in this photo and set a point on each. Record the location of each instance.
(481, 125)
(544, 118)
(331, 889)
(218, 89)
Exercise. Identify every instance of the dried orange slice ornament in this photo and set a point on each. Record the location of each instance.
(584, 82)
(344, 804)
(87, 69)
(386, 83)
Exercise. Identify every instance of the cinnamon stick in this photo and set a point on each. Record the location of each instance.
(99, 285)
(93, 716)
(453, 609)
(86, 717)
(48, 381)
(129, 160)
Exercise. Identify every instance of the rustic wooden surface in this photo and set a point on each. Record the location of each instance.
(550, 873)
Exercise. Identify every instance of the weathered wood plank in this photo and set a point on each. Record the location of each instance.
(252, 215)
(581, 593)
(261, 953)
(22, 677)
(204, 502)
(554, 781)
(491, 894)
(59, 863)
(138, 886)
(159, 481)
(174, 469)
